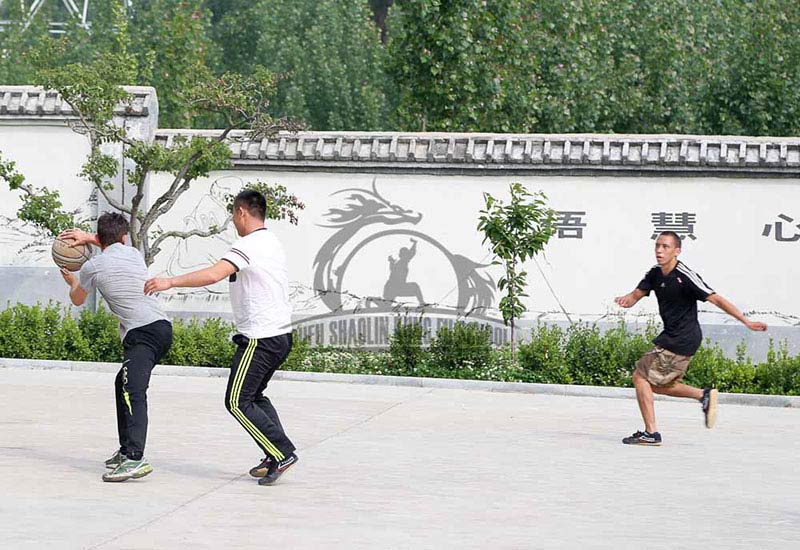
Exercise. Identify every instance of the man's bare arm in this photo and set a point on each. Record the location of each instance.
(630, 299)
(734, 312)
(77, 294)
(201, 277)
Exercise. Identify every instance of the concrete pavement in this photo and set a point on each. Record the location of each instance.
(392, 467)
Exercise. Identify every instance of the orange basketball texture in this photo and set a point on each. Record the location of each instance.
(68, 257)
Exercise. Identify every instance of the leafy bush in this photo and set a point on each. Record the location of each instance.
(207, 343)
(780, 374)
(581, 354)
(543, 359)
(405, 346)
(101, 331)
(710, 368)
(297, 355)
(41, 332)
(466, 345)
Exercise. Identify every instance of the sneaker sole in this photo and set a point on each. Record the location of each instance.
(258, 473)
(136, 475)
(643, 444)
(263, 482)
(711, 415)
(143, 472)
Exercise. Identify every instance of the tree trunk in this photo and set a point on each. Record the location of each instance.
(513, 342)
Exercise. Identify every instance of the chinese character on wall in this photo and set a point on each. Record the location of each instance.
(681, 223)
(570, 224)
(789, 237)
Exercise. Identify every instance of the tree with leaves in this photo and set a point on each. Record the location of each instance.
(328, 54)
(241, 102)
(516, 232)
(159, 43)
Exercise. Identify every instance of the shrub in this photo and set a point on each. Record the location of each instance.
(298, 353)
(543, 359)
(604, 359)
(101, 331)
(780, 374)
(465, 346)
(207, 343)
(405, 347)
(581, 354)
(710, 368)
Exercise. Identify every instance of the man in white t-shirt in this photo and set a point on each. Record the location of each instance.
(259, 286)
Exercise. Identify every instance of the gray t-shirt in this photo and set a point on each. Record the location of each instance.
(119, 273)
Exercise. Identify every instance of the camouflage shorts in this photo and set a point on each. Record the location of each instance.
(663, 368)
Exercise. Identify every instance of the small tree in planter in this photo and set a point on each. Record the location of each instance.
(517, 231)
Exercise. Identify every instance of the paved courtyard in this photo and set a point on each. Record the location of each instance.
(392, 467)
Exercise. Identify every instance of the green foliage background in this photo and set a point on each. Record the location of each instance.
(624, 66)
(581, 354)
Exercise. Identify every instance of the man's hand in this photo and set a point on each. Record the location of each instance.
(625, 301)
(157, 285)
(69, 277)
(756, 326)
(78, 237)
(77, 294)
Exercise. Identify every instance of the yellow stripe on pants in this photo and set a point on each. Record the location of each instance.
(238, 382)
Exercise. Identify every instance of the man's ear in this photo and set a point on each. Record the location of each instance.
(124, 237)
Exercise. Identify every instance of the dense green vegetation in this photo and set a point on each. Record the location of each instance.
(715, 67)
(581, 354)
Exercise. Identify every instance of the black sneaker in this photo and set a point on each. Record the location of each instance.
(709, 401)
(643, 438)
(262, 469)
(277, 469)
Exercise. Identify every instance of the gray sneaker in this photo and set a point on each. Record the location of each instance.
(129, 469)
(115, 460)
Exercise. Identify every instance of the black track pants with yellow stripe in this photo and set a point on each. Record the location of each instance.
(253, 365)
(143, 348)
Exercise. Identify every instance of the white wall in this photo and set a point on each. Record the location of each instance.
(48, 156)
(730, 252)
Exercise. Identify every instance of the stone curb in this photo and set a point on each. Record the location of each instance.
(758, 400)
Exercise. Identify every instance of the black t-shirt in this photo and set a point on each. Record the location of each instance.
(677, 293)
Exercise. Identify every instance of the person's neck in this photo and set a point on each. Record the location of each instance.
(667, 268)
(254, 227)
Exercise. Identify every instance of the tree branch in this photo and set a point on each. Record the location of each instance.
(167, 200)
(216, 230)
(111, 201)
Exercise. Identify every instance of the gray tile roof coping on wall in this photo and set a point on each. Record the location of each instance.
(32, 102)
(516, 152)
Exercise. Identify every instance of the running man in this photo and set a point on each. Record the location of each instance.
(119, 273)
(661, 369)
(259, 287)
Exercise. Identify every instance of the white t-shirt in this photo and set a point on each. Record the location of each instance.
(260, 286)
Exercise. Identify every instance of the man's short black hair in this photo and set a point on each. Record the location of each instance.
(674, 236)
(111, 227)
(252, 201)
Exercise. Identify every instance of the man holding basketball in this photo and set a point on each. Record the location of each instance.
(119, 273)
(259, 286)
(661, 370)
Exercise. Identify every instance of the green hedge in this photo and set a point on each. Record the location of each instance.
(580, 354)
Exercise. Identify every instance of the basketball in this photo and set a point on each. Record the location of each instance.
(68, 257)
